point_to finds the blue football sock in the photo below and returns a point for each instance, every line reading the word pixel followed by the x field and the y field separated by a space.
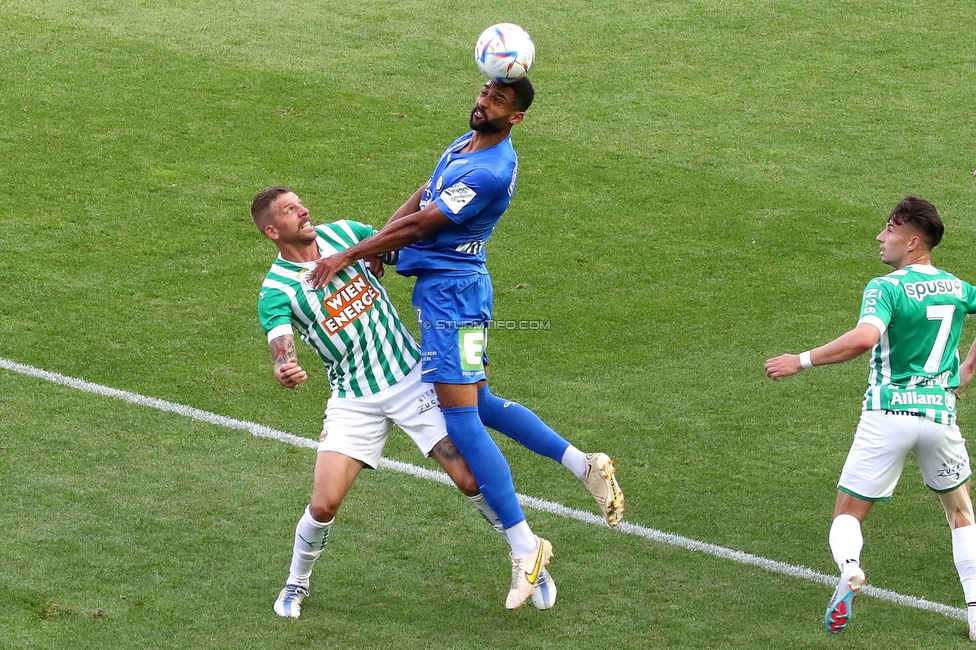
pixel 521 425
pixel 486 461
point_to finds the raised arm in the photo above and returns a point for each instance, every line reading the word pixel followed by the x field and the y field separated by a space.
pixel 410 206
pixel 286 369
pixel 844 348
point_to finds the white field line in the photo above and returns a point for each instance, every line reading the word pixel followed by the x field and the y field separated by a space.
pixel 687 543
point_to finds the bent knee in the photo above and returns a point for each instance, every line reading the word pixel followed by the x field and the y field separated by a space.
pixel 958 507
pixel 323 511
pixel 468 485
pixel 959 516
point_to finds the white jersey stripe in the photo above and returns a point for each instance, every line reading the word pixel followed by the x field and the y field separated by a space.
pixel 351 324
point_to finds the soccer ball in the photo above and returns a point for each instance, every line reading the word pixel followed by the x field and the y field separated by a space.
pixel 504 52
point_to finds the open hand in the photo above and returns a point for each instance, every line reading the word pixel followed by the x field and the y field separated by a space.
pixel 326 268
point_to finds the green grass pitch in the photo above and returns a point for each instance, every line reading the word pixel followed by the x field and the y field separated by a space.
pixel 700 185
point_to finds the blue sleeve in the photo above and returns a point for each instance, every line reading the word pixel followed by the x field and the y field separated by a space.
pixel 468 195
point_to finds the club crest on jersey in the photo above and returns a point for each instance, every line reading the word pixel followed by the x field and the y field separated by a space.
pixel 457 196
pixel 348 303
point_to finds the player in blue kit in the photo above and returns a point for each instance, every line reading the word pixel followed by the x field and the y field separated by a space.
pixel 442 230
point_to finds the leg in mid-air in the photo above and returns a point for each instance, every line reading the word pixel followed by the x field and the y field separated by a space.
pixel 522 425
pixel 449 457
pixel 451 359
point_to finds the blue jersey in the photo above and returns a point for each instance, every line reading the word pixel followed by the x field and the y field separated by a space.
pixel 472 190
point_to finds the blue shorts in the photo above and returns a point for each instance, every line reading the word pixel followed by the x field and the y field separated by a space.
pixel 453 312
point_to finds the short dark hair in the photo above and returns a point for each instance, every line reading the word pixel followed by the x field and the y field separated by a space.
pixel 922 216
pixel 261 205
pixel 524 93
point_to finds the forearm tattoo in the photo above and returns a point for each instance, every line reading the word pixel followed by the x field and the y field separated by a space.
pixel 283 350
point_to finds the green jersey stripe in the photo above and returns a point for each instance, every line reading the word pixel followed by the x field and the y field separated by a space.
pixel 351 324
pixel 919 311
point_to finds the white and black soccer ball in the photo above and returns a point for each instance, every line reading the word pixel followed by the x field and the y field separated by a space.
pixel 504 52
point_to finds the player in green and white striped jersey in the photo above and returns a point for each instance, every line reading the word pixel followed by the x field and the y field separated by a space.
pixel 915 364
pixel 911 320
pixel 351 324
pixel 373 370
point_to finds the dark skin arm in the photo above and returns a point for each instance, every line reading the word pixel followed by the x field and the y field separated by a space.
pixel 400 231
pixel 410 206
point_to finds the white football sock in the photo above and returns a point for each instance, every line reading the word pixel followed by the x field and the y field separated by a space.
pixel 575 460
pixel 846 540
pixel 964 555
pixel 479 502
pixel 521 539
pixel 310 538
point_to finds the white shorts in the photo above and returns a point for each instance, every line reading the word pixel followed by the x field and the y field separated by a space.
pixel 883 441
pixel 359 426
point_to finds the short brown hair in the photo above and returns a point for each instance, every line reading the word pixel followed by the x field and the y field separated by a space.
pixel 261 205
pixel 922 216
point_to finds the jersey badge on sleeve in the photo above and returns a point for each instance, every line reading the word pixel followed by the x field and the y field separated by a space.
pixel 457 196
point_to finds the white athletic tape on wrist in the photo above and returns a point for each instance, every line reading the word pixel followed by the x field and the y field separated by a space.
pixel 805 360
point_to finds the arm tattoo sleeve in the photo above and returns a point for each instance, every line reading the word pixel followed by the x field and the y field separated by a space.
pixel 283 350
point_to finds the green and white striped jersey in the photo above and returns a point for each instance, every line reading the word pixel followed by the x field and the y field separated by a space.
pixel 351 324
pixel 915 365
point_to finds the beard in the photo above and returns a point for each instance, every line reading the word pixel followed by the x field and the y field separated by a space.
pixel 485 126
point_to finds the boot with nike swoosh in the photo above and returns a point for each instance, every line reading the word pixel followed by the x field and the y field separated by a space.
pixel 525 574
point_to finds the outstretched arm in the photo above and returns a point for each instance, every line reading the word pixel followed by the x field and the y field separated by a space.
pixel 286 369
pixel 396 234
pixel 844 348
